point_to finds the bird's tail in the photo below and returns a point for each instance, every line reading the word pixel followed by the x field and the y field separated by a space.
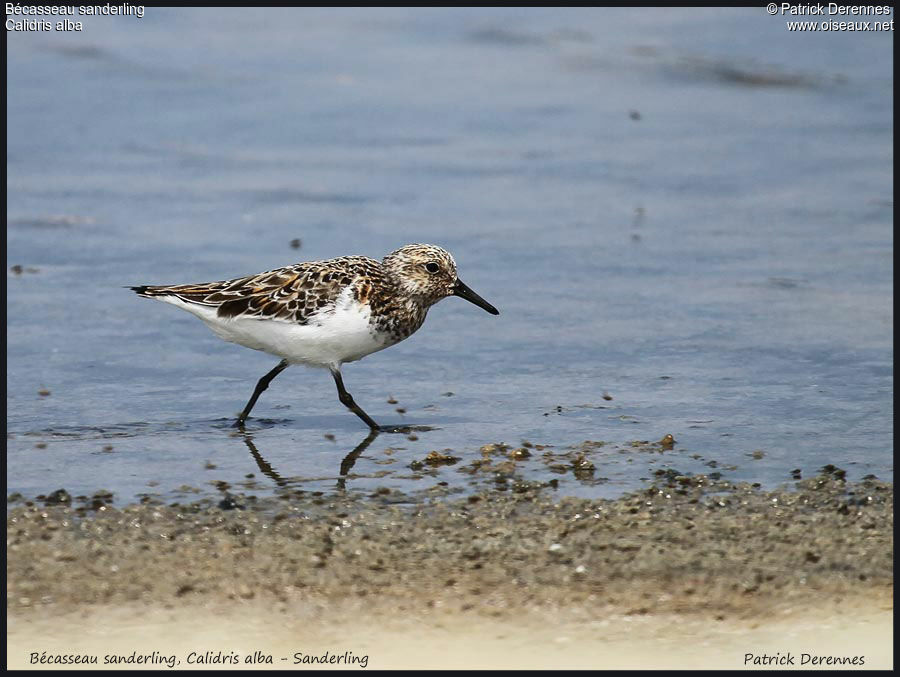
pixel 148 291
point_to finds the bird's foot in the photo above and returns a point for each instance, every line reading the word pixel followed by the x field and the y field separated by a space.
pixel 403 429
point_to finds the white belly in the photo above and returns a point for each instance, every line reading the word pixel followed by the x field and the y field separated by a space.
pixel 330 338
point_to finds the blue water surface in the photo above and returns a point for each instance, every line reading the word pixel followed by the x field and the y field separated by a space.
pixel 683 215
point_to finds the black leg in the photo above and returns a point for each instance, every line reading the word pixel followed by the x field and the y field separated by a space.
pixel 347 400
pixel 262 385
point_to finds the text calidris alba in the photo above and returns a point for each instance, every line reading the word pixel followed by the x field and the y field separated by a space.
pixel 324 313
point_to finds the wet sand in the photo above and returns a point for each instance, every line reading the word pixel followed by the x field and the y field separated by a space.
pixel 693 572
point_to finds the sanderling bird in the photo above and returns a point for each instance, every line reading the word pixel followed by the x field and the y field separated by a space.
pixel 324 313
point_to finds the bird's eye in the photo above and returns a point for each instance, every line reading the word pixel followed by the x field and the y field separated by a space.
pixel 432 267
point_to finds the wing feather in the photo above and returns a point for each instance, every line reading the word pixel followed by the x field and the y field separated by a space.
pixel 291 294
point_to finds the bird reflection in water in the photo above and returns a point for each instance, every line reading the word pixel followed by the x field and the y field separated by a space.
pixel 346 464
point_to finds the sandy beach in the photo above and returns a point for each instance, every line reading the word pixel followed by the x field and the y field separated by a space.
pixel 691 573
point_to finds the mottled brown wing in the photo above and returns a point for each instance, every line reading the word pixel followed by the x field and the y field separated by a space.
pixel 291 294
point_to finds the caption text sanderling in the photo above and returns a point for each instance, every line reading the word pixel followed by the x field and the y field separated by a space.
pixel 45 18
pixel 201 658
pixel 875 21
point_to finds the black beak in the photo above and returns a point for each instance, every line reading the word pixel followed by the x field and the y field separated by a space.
pixel 461 290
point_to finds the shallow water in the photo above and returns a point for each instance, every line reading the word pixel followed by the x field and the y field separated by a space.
pixel 687 211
